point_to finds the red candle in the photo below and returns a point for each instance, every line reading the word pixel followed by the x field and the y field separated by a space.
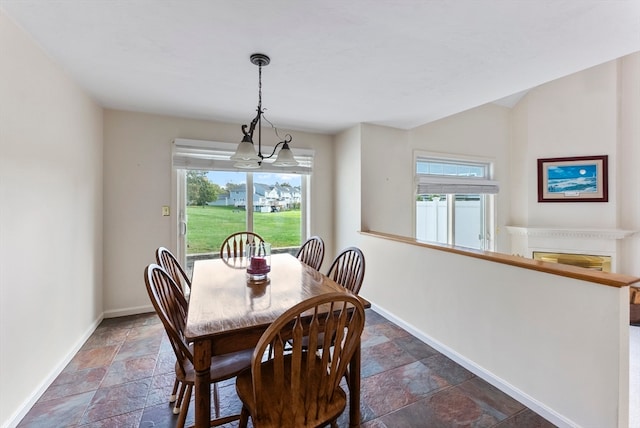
pixel 258 265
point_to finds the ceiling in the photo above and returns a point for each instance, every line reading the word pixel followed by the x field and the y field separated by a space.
pixel 334 63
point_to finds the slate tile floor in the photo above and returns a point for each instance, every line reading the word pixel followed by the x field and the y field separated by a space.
pixel 123 375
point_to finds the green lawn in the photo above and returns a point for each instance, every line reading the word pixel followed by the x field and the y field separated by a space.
pixel 208 226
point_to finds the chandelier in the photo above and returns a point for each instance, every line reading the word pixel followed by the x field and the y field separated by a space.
pixel 245 156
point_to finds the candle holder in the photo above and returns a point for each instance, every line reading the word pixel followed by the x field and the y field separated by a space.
pixel 258 261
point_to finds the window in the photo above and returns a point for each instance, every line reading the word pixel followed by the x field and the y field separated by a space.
pixel 213 201
pixel 454 201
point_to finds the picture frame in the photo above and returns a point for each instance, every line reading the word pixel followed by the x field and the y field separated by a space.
pixel 573 179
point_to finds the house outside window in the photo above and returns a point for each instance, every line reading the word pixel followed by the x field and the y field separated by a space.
pixel 455 200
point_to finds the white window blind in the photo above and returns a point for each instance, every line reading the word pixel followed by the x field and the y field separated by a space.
pixel 429 185
pixel 211 155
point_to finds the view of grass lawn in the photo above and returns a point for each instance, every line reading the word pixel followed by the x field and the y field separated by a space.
pixel 208 226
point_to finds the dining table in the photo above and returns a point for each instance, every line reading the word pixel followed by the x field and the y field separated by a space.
pixel 228 313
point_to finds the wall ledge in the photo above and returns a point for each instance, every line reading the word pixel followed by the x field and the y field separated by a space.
pixel 604 278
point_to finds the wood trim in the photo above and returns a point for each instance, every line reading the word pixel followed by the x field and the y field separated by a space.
pixel 604 278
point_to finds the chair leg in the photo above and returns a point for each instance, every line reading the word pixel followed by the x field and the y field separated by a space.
pixel 185 407
pixel 244 418
pixel 216 400
pixel 179 399
pixel 174 392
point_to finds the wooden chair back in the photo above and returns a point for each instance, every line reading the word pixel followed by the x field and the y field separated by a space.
pixel 235 244
pixel 298 385
pixel 169 263
pixel 166 259
pixel 347 269
pixel 171 306
pixel 312 252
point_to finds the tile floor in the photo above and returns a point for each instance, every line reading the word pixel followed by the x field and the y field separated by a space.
pixel 123 375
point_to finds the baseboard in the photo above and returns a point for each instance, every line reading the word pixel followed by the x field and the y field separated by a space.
pixel 533 404
pixel 129 311
pixel 23 409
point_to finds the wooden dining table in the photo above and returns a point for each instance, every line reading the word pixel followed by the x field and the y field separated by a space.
pixel 228 313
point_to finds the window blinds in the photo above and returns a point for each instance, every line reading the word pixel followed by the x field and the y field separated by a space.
pixel 214 156
pixel 428 185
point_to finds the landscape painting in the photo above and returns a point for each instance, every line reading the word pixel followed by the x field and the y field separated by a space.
pixel 574 179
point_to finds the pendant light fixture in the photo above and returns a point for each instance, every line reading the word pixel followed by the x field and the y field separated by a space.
pixel 245 156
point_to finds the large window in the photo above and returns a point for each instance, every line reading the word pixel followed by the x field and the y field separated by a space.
pixel 454 201
pixel 271 209
pixel 215 200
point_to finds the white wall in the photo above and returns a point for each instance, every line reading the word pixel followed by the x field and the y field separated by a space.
pixel 50 220
pixel 521 176
pixel 387 189
pixel 346 191
pixel 628 159
pixel 137 176
pixel 572 116
pixel 387 170
pixel 484 133
pixel 593 112
pixel 558 345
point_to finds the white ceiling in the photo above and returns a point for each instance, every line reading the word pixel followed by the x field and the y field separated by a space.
pixel 334 63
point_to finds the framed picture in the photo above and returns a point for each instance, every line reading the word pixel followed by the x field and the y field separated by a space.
pixel 576 179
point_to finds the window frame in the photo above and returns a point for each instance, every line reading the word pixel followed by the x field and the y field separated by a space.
pixel 487 184
pixel 213 155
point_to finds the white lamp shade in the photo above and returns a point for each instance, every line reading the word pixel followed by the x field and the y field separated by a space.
pixel 285 158
pixel 247 164
pixel 245 152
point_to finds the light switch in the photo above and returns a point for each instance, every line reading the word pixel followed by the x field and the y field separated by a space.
pixel 165 211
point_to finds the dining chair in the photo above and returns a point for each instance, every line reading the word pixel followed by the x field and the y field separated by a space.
pixel 171 307
pixel 312 252
pixel 300 387
pixel 347 269
pixel 166 259
pixel 234 244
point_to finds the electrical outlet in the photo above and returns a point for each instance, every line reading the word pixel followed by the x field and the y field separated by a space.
pixel 165 211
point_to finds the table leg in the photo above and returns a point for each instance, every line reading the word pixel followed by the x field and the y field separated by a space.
pixel 354 389
pixel 202 399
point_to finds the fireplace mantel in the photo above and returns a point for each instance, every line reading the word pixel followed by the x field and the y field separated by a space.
pixel 558 232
